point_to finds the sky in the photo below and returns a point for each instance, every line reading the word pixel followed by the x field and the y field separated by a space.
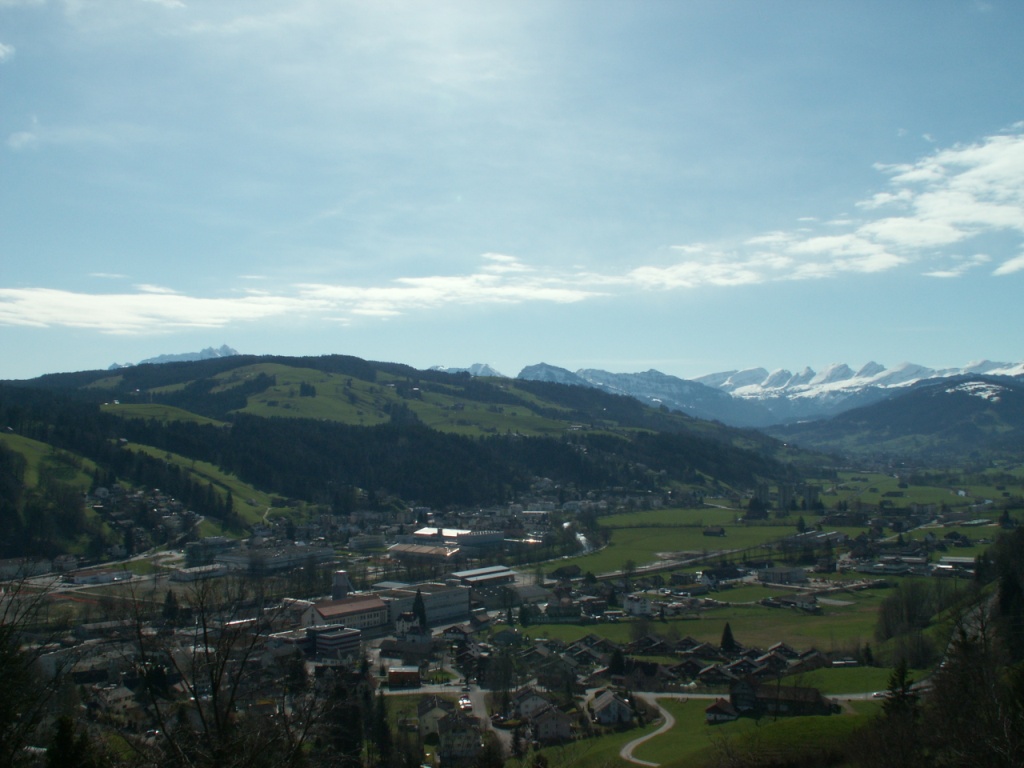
pixel 693 186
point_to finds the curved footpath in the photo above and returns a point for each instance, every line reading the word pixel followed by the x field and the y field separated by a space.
pixel 626 753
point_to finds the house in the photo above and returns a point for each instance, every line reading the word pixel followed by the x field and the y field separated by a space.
pixel 637 604
pixel 720 712
pixel 459 740
pixel 366 612
pixel 611 709
pixel 782 575
pixel 551 726
pixel 688 668
pixel 558 674
pixel 528 702
pixel 749 696
pixel 714 577
pixel 646 676
pixel 793 701
pixel 430 711
pixel 403 677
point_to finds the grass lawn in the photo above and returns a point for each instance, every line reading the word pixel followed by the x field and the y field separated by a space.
pixel 42 458
pixel 836 628
pixel 690 736
pixel 836 681
pixel 693 743
pixel 601 751
pixel 646 545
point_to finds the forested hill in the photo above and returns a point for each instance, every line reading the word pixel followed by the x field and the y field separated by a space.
pixel 328 429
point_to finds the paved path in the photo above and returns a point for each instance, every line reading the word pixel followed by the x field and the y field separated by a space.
pixel 626 753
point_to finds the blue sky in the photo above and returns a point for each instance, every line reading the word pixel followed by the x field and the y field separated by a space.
pixel 687 186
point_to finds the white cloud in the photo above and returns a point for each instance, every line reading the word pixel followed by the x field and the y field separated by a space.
pixel 127 314
pixel 6 52
pixel 961 267
pixel 153 308
pixel 22 140
pixel 107 135
pixel 1015 264
pixel 912 232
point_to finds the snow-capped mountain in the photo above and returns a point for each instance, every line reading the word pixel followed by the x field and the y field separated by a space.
pixel 757 397
pixel 938 418
pixel 757 383
pixel 476 369
pixel 185 357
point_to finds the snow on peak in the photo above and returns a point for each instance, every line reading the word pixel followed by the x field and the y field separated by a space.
pixel 982 389
pixel 870 369
pixel 833 373
pixel 777 379
pixel 476 369
pixel 905 373
pixel 745 378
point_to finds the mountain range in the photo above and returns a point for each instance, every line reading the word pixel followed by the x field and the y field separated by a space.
pixel 756 397
pixel 751 397
pixel 184 357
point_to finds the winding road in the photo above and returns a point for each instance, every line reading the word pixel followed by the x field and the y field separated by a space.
pixel 626 753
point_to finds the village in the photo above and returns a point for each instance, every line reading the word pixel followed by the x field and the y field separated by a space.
pixel 440 620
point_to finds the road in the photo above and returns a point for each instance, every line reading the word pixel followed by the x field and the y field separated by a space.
pixel 668 723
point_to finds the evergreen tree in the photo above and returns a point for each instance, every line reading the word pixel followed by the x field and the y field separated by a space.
pixel 419 609
pixel 70 749
pixel 380 731
pixel 728 642
pixel 171 609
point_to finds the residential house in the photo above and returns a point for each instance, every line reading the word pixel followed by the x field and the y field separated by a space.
pixel 552 726
pixel 459 741
pixel 430 711
pixel 611 709
pixel 637 604
pixel 528 702
pixel 722 711
pixel 782 575
pixel 646 676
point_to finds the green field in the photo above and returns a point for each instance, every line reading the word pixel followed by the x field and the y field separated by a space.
pixel 250 504
pixel 693 743
pixel 158 412
pixel 42 459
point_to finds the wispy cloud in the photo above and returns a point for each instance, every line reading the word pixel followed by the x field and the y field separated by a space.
pixel 6 52
pixel 931 211
pixel 153 309
pixel 961 267
pixel 128 314
pixel 1015 264
pixel 927 219
pixel 106 135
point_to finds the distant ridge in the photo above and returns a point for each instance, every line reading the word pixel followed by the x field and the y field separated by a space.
pixel 476 369
pixel 184 357
pixel 756 397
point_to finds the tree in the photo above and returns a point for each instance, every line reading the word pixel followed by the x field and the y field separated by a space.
pixel 70 747
pixel 380 731
pixel 617 662
pixel 728 642
pixel 170 609
pixel 419 609
pixel 26 696
pixel 213 724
